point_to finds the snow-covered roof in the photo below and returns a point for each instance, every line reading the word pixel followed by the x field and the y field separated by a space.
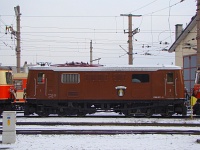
pixel 109 68
pixel 185 32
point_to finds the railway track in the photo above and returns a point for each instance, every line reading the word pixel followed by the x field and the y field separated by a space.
pixel 105 128
pixel 106 124
pixel 102 128
pixel 106 132
pixel 107 115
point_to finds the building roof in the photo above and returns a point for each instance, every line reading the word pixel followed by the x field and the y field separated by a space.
pixel 185 32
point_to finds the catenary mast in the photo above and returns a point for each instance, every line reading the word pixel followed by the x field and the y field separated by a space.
pixel 130 36
pixel 18 48
pixel 198 34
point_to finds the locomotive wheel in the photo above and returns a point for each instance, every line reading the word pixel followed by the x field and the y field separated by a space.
pixel 62 114
pixel 81 114
pixel 148 113
pixel 43 114
pixel 7 108
pixel 71 112
pixel 197 112
pixel 167 115
pixel 127 113
pixel 1 111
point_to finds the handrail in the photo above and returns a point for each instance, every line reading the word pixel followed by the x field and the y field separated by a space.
pixel 46 87
pixel 35 87
pixel 165 85
pixel 175 87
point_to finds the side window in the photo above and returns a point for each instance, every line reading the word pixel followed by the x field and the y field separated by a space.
pixel 170 77
pixel 18 84
pixel 9 78
pixel 41 78
pixel 70 78
pixel 140 78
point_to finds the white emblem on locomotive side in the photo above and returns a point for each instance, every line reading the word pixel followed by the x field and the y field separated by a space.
pixel 120 90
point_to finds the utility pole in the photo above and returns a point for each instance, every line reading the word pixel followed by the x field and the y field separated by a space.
pixel 198 34
pixel 130 35
pixel 91 52
pixel 18 48
pixel 91 59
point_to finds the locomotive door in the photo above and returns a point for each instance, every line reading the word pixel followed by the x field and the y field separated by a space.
pixel 170 85
pixel 40 85
pixel 46 85
pixel 51 85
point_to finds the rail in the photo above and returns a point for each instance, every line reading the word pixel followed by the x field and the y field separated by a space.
pixel 105 132
pixel 107 124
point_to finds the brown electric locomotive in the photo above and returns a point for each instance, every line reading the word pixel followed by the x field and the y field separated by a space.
pixel 129 90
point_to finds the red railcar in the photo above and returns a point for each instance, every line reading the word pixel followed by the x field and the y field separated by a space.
pixel 7 91
pixel 196 93
pixel 19 81
pixel 85 90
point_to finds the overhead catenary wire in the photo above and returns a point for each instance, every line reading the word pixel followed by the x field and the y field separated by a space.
pixel 76 42
pixel 144 6
pixel 169 19
pixel 163 8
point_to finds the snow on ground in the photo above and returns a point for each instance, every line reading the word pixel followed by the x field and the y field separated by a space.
pixel 105 142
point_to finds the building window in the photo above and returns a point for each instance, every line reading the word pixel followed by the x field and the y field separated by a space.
pixel 70 78
pixel 41 78
pixel 170 77
pixel 18 84
pixel 140 78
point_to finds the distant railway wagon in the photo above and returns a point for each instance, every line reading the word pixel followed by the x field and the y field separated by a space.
pixel 7 92
pixel 19 81
pixel 84 90
pixel 196 93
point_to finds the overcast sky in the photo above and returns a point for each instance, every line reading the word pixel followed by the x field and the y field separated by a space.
pixel 60 31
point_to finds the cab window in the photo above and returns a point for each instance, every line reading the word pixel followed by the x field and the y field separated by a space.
pixel 170 77
pixel 9 78
pixel 41 78
pixel 140 78
pixel 18 84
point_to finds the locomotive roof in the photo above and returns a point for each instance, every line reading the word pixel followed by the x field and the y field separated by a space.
pixel 108 68
pixel 5 68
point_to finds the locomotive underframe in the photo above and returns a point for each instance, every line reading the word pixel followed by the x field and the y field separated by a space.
pixel 127 107
pixel 196 108
pixel 5 105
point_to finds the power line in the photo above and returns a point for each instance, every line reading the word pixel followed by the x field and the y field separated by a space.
pixel 169 19
pixel 144 6
pixel 163 9
pixel 174 15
